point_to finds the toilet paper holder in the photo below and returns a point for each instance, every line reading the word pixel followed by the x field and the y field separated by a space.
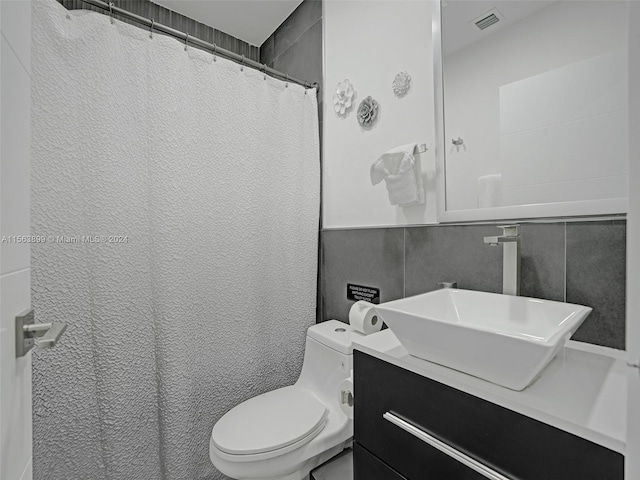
pixel 346 397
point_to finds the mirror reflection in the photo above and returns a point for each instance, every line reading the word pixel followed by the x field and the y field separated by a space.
pixel 535 101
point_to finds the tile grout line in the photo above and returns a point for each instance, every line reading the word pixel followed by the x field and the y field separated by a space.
pixel 565 261
pixel 404 263
pixel 15 272
pixel 28 468
pixel 15 53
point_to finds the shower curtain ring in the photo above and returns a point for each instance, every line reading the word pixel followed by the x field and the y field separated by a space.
pixel 186 40
pixel 242 67
pixel 215 50
pixel 111 12
pixel 151 29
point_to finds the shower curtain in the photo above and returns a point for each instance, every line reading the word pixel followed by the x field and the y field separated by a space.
pixel 179 198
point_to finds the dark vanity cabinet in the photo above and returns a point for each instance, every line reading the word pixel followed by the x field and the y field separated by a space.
pixel 411 427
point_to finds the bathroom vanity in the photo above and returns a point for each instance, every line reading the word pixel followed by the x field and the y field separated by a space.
pixel 418 420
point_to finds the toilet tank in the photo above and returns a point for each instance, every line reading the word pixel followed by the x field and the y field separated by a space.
pixel 328 358
pixel 335 335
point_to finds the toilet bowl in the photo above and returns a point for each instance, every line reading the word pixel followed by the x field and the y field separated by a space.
pixel 285 433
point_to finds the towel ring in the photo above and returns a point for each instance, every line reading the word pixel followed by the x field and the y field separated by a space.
pixel 242 67
pixel 111 12
pixel 151 29
pixel 215 50
pixel 186 40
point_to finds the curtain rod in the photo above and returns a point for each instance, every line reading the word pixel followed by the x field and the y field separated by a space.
pixel 213 48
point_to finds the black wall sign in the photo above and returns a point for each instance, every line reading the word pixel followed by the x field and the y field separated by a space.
pixel 360 292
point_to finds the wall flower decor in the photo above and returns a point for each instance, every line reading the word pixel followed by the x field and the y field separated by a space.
pixel 401 84
pixel 367 112
pixel 343 97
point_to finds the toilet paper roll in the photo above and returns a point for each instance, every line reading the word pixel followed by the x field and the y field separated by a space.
pixel 364 318
pixel 490 191
pixel 346 399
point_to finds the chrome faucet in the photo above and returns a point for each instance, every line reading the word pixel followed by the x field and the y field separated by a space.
pixel 510 258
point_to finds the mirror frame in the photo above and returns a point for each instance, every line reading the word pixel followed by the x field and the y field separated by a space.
pixel 584 208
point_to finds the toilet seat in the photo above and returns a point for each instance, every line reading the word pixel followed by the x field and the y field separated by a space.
pixel 283 419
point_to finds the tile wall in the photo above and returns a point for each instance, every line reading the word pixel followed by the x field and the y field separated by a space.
pixel 296 45
pixel 576 262
pixel 15 261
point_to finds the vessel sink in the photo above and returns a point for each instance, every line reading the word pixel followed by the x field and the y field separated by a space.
pixel 504 339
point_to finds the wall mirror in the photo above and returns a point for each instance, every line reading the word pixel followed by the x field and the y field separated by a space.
pixel 534 120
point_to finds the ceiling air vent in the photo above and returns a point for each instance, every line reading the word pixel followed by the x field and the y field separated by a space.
pixel 487 21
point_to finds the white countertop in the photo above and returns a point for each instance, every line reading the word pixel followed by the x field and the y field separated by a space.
pixel 582 391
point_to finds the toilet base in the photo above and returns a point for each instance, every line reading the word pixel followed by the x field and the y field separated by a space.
pixel 303 472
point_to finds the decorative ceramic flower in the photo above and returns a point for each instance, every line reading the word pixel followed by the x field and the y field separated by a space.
pixel 401 84
pixel 367 112
pixel 343 97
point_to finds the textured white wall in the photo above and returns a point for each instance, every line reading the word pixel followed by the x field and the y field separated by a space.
pixel 369 43
pixel 15 271
pixel 213 174
pixel 554 37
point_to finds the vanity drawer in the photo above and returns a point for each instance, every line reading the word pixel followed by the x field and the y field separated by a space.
pixel 513 445
pixel 368 466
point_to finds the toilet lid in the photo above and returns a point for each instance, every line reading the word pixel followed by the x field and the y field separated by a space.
pixel 270 421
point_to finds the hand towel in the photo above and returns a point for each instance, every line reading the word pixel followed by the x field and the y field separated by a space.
pixel 402 174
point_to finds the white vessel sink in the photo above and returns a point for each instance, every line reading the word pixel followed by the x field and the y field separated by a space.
pixel 503 339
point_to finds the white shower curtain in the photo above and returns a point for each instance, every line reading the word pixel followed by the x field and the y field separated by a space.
pixel 197 187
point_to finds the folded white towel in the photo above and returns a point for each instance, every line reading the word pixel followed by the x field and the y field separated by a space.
pixel 402 174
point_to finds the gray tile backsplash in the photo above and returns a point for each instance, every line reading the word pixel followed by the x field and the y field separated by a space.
pixel 577 262
pixel 542 268
pixel 443 254
pixel 596 270
pixel 372 257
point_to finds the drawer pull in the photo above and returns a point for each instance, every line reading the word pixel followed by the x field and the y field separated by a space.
pixel 444 448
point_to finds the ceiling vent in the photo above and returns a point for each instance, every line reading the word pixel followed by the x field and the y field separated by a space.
pixel 487 21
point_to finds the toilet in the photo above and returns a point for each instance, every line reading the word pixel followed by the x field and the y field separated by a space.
pixel 285 433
